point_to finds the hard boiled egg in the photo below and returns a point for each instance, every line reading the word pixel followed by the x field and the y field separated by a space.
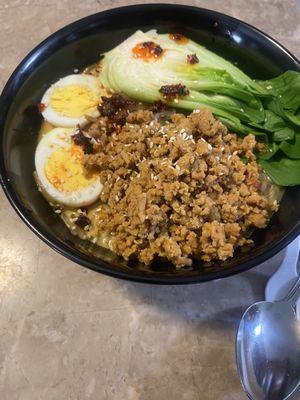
pixel 68 101
pixel 60 173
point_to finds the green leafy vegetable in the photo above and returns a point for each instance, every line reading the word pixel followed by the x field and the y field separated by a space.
pixel 213 82
pixel 283 134
pixel 283 171
pixel 285 88
pixel 292 148
pixel 271 151
pixel 273 122
pixel 268 109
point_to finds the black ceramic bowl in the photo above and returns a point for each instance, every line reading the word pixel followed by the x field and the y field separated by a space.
pixel 79 45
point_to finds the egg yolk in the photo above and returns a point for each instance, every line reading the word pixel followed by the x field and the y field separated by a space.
pixel 73 100
pixel 64 170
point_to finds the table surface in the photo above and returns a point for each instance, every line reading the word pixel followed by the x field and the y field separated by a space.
pixel 67 333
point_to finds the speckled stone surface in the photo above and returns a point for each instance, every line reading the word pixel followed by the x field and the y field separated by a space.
pixel 67 333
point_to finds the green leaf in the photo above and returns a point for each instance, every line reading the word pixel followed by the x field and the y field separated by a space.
pixel 286 88
pixel 283 134
pixel 270 152
pixel 212 80
pixel 291 149
pixel 294 118
pixel 276 107
pixel 233 106
pixel 273 122
pixel 283 171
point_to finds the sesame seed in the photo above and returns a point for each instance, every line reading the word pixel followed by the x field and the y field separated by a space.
pixel 209 146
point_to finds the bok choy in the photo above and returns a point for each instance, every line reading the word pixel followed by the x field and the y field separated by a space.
pixel 147 65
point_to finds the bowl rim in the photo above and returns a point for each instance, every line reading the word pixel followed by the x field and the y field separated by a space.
pixel 80 258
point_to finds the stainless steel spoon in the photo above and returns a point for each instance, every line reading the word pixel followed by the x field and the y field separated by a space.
pixel 268 348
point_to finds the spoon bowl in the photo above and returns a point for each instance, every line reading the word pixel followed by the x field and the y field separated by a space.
pixel 268 350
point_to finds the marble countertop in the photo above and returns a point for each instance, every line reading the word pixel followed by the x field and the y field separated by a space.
pixel 67 333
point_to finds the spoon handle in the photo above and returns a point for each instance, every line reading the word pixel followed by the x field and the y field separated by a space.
pixel 294 293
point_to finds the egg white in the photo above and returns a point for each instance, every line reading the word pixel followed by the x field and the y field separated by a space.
pixel 54 140
pixel 59 119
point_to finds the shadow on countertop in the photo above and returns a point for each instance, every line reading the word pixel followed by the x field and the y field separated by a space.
pixel 221 302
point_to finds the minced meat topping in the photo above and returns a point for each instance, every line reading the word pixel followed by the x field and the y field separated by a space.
pixel 176 189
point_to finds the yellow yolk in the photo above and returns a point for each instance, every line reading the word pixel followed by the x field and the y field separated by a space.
pixel 73 100
pixel 64 170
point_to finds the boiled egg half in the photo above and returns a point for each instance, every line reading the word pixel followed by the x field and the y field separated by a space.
pixel 69 101
pixel 59 170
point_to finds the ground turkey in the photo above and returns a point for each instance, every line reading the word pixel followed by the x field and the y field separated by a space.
pixel 180 189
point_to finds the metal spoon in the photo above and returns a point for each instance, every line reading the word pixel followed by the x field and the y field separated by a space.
pixel 268 348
